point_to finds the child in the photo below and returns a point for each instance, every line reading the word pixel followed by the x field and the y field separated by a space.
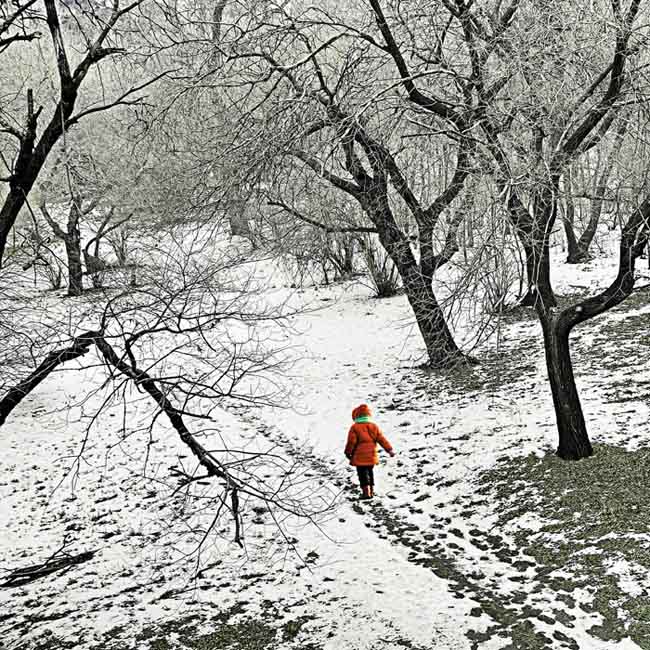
pixel 361 448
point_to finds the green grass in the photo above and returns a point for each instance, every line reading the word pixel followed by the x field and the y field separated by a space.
pixel 262 632
pixel 596 506
pixel 247 633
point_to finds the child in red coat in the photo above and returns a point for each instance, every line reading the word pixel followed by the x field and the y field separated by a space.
pixel 361 448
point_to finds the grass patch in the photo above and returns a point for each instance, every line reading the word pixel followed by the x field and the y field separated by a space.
pixel 514 363
pixel 264 632
pixel 596 512
pixel 248 633
pixel 507 368
pixel 632 342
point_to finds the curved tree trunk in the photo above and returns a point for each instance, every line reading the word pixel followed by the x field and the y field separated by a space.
pixel 438 339
pixel 573 438
pixel 441 347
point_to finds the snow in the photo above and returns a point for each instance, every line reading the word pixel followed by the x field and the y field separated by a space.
pixel 633 578
pixel 364 588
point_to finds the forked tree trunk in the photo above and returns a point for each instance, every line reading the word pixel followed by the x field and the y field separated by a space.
pixel 71 237
pixel 573 438
pixel 538 274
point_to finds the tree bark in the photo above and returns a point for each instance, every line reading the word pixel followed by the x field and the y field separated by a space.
pixel 581 253
pixel 73 249
pixel 538 272
pixel 533 233
pixel 569 220
pixel 579 248
pixel 574 441
pixel 442 350
pixel 75 269
pixel 71 237
pixel 53 360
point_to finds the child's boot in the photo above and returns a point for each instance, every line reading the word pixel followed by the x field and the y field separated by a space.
pixel 365 492
pixel 371 491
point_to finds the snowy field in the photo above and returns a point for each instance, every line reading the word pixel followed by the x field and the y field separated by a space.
pixel 458 550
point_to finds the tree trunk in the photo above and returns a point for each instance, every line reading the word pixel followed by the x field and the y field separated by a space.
pixel 442 350
pixel 539 279
pixel 239 225
pixel 587 236
pixel 95 267
pixel 574 441
pixel 8 214
pixel 30 163
pixel 577 253
pixel 574 252
pixel 533 233
pixel 348 251
pixel 438 340
pixel 580 252
pixel 75 269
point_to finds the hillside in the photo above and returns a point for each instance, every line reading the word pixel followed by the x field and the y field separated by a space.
pixel 479 537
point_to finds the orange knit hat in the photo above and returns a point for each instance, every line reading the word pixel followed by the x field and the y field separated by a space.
pixel 360 411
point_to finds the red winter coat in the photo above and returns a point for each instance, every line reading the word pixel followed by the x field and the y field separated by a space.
pixel 361 447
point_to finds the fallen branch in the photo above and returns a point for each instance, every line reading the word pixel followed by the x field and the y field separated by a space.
pixel 57 562
pixel 145 381
pixel 233 486
pixel 80 346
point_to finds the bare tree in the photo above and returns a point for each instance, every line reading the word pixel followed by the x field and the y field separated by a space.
pixel 71 237
pixel 32 149
pixel 310 91
pixel 578 245
pixel 561 128
pixel 17 23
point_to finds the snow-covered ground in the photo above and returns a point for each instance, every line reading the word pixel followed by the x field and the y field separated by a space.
pixel 411 569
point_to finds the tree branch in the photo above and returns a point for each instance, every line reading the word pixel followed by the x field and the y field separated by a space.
pixel 431 104
pixel 634 241
pixel 58 231
pixel 319 167
pixel 8 23
pixel 59 46
pixel 329 229
pixel 80 346
pixel 617 76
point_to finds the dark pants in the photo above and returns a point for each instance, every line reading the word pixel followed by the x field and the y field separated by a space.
pixel 366 476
